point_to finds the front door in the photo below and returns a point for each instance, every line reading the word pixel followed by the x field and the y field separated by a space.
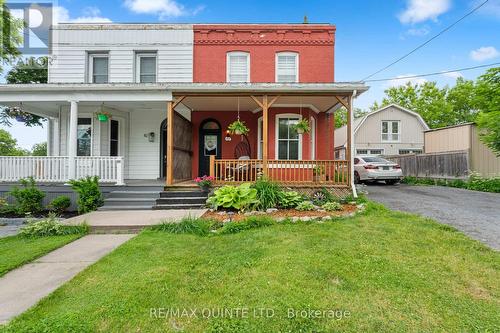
pixel 210 143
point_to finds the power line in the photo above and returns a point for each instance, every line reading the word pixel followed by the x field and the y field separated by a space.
pixel 426 42
pixel 434 73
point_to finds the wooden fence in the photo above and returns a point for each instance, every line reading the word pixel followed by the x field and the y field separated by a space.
pixel 450 165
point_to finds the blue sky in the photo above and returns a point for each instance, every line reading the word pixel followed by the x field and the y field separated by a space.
pixel 370 34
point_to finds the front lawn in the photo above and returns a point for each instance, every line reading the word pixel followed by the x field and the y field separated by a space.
pixel 379 271
pixel 17 250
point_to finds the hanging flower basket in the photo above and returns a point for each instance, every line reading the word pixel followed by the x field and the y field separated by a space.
pixel 103 116
pixel 302 126
pixel 238 127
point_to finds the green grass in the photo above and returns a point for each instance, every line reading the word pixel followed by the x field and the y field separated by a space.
pixel 17 250
pixel 391 271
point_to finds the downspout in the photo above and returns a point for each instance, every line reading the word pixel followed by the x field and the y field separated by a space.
pixel 353 186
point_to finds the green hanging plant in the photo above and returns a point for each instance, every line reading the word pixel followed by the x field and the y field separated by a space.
pixel 103 116
pixel 302 126
pixel 238 127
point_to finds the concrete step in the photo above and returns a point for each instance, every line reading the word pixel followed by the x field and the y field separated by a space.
pixel 117 229
pixel 134 194
pixel 182 200
pixel 174 188
pixel 183 194
pixel 126 207
pixel 178 206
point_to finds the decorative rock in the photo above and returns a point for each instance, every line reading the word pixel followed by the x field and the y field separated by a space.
pixel 305 218
pixel 295 219
pixel 271 210
pixel 226 221
pixel 326 218
pixel 280 219
pixel 221 213
pixel 321 210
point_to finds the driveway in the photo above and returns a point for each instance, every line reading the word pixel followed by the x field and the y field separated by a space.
pixel 477 214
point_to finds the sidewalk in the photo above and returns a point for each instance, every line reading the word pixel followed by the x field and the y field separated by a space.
pixel 22 288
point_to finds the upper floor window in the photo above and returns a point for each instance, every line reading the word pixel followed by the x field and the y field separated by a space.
pixel 287 67
pixel 238 67
pixel 391 131
pixel 146 67
pixel 98 67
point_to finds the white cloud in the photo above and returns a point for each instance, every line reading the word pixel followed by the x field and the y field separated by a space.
pixel 90 15
pixel 423 10
pixel 401 80
pixel 484 53
pixel 418 31
pixel 453 75
pixel 164 8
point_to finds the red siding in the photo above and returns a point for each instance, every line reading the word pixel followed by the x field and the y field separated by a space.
pixel 314 43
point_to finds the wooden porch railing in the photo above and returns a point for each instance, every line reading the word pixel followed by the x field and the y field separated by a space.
pixel 287 172
pixel 55 169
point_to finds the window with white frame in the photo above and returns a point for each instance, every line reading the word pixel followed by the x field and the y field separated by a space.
pixel 312 137
pixel 145 67
pixel 376 151
pixel 410 151
pixel 98 67
pixel 238 67
pixel 288 143
pixel 391 130
pixel 114 137
pixel 287 67
pixel 259 138
pixel 84 137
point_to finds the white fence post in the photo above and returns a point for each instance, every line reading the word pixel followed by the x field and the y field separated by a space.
pixel 119 171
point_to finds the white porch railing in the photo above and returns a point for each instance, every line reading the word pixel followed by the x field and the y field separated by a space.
pixel 55 169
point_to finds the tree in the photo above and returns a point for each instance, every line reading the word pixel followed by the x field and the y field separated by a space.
pixel 12 30
pixel 8 145
pixel 30 70
pixel 341 115
pixel 487 100
pixel 39 149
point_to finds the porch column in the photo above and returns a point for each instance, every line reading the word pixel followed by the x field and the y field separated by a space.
pixel 348 152
pixel 72 140
pixel 170 143
pixel 265 132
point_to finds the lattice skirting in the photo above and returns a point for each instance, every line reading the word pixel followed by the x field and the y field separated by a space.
pixel 339 192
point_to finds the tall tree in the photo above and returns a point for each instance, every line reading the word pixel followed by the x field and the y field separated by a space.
pixel 341 115
pixel 39 149
pixel 30 70
pixel 11 35
pixel 8 145
pixel 487 100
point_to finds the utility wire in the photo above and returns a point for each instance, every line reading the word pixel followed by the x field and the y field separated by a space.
pixel 427 42
pixel 434 73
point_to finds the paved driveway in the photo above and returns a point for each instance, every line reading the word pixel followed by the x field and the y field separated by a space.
pixel 475 213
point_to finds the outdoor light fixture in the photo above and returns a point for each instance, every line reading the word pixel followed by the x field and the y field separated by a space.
pixel 150 136
pixel 228 136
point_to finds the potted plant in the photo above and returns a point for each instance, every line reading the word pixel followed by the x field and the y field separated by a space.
pixel 205 182
pixel 318 173
pixel 302 126
pixel 238 127
pixel 103 116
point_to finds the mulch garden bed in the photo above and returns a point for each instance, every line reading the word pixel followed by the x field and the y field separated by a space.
pixel 222 216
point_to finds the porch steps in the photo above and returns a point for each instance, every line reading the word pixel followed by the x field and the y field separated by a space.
pixel 181 199
pixel 132 198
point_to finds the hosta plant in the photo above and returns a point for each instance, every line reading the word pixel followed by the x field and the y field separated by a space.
pixel 305 206
pixel 238 198
pixel 289 199
pixel 332 206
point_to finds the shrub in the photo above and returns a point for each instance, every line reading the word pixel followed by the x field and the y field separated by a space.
pixel 251 222
pixel 51 227
pixel 289 199
pixel 238 198
pixel 60 204
pixel 188 225
pixel 331 206
pixel 28 198
pixel 89 194
pixel 305 205
pixel 478 183
pixel 268 194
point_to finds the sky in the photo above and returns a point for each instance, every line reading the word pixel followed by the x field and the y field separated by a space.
pixel 370 34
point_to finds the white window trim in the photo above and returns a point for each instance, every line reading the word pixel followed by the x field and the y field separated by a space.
pixel 296 54
pixel 90 57
pixel 312 137
pixel 259 137
pixel 238 53
pixel 369 151
pixel 411 149
pixel 92 134
pixel 389 129
pixel 276 133
pixel 145 54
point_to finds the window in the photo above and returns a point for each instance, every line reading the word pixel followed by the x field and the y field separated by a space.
pixel 98 67
pixel 390 131
pixel 145 67
pixel 114 138
pixel 410 151
pixel 84 137
pixel 238 67
pixel 289 141
pixel 259 138
pixel 312 137
pixel 287 67
pixel 377 151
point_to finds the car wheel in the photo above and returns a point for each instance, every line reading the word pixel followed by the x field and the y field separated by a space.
pixel 391 181
pixel 357 179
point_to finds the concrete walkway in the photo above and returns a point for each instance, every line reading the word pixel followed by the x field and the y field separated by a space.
pixel 22 288
pixel 131 220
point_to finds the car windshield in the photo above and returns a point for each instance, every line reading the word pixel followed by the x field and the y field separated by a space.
pixel 375 160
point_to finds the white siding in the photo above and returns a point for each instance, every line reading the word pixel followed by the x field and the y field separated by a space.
pixel 173 44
